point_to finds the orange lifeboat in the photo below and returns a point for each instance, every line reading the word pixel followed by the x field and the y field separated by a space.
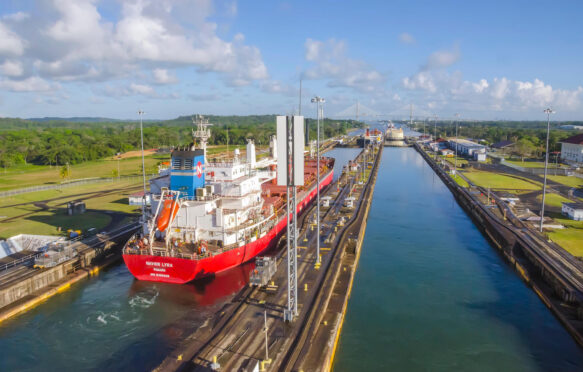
pixel 167 214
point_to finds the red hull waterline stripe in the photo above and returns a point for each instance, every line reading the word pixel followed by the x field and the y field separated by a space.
pixel 180 270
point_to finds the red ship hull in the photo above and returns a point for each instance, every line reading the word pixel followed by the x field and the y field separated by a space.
pixel 180 270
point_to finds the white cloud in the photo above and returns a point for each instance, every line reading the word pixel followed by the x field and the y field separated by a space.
pixel 406 38
pixel 329 61
pixel 422 80
pixel 499 94
pixel 274 86
pixel 70 40
pixel 162 76
pixel 11 68
pixel 442 58
pixel 10 43
pixel 143 89
pixel 16 17
pixel 31 84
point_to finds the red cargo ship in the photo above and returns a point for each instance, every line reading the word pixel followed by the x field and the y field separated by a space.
pixel 207 217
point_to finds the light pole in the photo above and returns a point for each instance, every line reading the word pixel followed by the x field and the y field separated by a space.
pixel 435 135
pixel 140 112
pixel 455 160
pixel 547 111
pixel 319 101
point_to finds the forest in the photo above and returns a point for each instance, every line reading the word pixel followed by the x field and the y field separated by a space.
pixel 530 136
pixel 54 141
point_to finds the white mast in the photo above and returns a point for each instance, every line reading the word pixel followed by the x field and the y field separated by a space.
pixel 202 132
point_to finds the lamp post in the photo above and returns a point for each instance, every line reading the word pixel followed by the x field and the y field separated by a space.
pixel 319 101
pixel 435 135
pixel 547 111
pixel 455 160
pixel 140 112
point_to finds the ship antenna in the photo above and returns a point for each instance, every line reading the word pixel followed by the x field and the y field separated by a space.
pixel 202 132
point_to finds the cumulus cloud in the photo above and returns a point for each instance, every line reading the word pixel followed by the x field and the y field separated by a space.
pixel 11 68
pixel 31 84
pixel 16 17
pixel 442 59
pixel 329 61
pixel 70 40
pixel 274 86
pixel 406 38
pixel 143 89
pixel 499 94
pixel 162 76
pixel 10 42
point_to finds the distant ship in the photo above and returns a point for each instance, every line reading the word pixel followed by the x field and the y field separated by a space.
pixel 370 136
pixel 207 217
pixel 394 134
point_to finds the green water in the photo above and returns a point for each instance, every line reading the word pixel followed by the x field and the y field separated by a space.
pixel 431 294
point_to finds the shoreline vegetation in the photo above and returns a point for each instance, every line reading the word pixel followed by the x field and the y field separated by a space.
pixel 51 150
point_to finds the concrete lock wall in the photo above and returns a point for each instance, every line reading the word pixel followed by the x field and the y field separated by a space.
pixel 28 286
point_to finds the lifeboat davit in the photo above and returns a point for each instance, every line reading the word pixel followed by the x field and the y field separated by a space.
pixel 167 214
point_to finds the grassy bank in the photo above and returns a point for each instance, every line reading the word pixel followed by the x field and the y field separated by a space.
pixel 32 175
pixel 501 181
pixel 45 212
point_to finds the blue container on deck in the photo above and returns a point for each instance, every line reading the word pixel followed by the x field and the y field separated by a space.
pixel 187 172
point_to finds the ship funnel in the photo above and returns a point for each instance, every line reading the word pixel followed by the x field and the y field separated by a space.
pixel 187 171
pixel 251 153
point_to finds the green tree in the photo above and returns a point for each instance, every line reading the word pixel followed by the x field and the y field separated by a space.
pixel 524 148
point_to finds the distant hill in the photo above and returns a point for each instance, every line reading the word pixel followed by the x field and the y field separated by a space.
pixel 75 119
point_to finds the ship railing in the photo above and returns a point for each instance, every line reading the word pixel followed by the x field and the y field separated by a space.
pixel 159 253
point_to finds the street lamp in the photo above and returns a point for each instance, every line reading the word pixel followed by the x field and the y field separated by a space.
pixel 435 135
pixel 140 112
pixel 456 145
pixel 319 101
pixel 547 111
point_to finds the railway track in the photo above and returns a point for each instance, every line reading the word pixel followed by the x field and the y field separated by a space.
pixel 556 259
pixel 238 335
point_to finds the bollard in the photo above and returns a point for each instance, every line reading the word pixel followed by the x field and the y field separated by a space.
pixel 305 287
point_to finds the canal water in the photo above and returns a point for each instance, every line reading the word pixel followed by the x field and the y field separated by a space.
pixel 112 322
pixel 431 294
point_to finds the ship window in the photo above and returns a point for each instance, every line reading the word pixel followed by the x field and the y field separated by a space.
pixel 188 164
pixel 176 163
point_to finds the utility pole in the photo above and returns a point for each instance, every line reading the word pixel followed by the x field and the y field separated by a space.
pixel 411 116
pixel 547 111
pixel 290 173
pixel 319 101
pixel 455 161
pixel 435 135
pixel 140 112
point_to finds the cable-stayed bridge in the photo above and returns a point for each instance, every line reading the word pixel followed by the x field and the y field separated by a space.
pixel 405 113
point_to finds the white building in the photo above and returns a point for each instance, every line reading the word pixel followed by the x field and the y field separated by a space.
pixel 572 149
pixel 465 147
pixel 573 210
pixel 480 156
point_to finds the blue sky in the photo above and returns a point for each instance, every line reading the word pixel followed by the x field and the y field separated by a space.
pixel 485 60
